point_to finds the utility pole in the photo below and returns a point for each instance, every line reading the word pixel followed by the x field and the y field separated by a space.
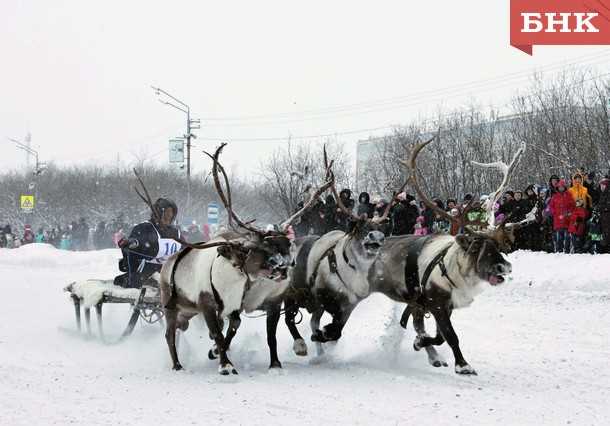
pixel 191 124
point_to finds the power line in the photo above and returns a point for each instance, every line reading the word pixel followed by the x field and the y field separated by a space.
pixel 374 105
pixel 388 127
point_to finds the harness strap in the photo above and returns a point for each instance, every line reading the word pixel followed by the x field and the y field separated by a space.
pixel 171 303
pixel 438 260
pixel 346 259
pixel 332 263
pixel 411 266
pixel 411 275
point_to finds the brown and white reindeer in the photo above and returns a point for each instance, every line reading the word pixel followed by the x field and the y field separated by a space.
pixel 439 273
pixel 244 269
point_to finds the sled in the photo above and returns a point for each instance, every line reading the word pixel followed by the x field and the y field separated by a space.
pixel 145 305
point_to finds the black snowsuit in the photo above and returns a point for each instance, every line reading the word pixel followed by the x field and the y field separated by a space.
pixel 144 246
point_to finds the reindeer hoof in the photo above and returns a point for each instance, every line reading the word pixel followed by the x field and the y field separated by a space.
pixel 300 347
pixel 318 336
pixel 227 369
pixel 275 364
pixel 439 363
pixel 177 367
pixel 465 369
pixel 417 344
pixel 213 353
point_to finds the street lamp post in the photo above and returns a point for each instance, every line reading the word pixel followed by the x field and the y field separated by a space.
pixel 31 151
pixel 190 125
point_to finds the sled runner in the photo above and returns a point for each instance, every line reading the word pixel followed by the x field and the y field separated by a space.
pixel 145 304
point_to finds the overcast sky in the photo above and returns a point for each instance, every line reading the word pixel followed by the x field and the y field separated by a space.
pixel 77 74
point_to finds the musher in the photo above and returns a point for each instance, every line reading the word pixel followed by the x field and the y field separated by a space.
pixel 149 246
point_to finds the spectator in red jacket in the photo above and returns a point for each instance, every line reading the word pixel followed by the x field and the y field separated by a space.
pixel 576 229
pixel 561 207
pixel 28 235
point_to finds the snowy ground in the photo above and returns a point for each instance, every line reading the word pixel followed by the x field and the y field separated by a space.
pixel 540 343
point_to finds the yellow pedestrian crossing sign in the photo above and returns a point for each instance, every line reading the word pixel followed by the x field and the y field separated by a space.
pixel 27 203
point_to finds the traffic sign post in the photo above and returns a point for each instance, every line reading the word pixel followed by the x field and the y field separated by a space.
pixel 213 210
pixel 27 203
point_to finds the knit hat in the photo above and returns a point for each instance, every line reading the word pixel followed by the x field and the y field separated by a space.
pixel 604 181
pixel 511 193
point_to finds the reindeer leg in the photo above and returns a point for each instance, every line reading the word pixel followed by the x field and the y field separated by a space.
pixel 273 317
pixel 424 341
pixel 316 333
pixel 213 352
pixel 332 331
pixel 208 306
pixel 171 316
pixel 234 323
pixel 291 309
pixel 443 323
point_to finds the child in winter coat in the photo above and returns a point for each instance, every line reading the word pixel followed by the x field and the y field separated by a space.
pixel 594 236
pixel 66 242
pixel 420 226
pixel 576 228
pixel 561 207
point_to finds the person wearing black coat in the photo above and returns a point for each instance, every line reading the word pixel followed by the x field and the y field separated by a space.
pixel 330 214
pixel 364 205
pixel 404 216
pixel 508 207
pixel 603 207
pixel 149 245
pixel 592 189
pixel 344 221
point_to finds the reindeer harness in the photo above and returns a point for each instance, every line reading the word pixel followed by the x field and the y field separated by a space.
pixel 415 288
pixel 332 264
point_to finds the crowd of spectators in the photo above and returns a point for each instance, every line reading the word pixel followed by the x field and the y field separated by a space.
pixel 569 217
pixel 80 235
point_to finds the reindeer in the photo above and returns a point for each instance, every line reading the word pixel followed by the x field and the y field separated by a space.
pixel 330 274
pixel 240 270
pixel 439 273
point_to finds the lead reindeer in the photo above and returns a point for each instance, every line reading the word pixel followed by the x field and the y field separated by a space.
pixel 439 273
pixel 241 270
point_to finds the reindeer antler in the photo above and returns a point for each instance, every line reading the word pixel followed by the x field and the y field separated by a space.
pixel 412 166
pixel 226 200
pixel 146 197
pixel 507 171
pixel 330 179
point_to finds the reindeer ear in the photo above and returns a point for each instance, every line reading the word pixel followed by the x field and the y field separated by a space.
pixel 464 241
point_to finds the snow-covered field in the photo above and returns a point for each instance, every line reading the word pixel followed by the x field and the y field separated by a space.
pixel 540 343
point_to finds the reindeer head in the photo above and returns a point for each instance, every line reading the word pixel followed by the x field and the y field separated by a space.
pixel 484 257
